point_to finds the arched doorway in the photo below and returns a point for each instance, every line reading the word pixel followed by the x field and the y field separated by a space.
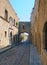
pixel 10 38
pixel 45 35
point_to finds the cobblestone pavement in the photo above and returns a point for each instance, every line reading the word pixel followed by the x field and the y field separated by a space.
pixel 18 55
pixel 35 58
pixel 23 54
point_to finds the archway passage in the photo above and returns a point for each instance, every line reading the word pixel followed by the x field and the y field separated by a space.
pixel 45 35
pixel 24 36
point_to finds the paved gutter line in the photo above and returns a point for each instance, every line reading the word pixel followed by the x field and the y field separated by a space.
pixel 3 50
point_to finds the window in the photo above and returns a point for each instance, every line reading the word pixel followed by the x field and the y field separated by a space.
pixel 5 33
pixel 14 22
pixel 10 19
pixel 6 14
pixel 23 27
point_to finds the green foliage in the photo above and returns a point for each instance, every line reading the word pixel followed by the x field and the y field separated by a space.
pixel 22 36
pixel 17 24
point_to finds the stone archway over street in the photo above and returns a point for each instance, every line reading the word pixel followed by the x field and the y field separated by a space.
pixel 24 36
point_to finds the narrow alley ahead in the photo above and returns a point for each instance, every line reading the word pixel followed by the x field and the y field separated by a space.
pixel 18 55
pixel 23 54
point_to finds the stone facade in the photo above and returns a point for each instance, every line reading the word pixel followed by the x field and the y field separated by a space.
pixel 8 20
pixel 24 27
pixel 39 28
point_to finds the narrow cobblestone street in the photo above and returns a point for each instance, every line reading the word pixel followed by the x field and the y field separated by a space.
pixel 23 32
pixel 23 54
pixel 19 55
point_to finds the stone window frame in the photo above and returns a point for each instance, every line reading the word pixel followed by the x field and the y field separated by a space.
pixel 6 14
pixel 5 33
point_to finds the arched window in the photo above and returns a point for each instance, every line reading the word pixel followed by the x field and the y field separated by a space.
pixel 6 14
pixel 45 35
pixel 5 33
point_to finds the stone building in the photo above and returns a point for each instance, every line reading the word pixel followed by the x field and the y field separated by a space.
pixel 8 20
pixel 39 28
pixel 25 27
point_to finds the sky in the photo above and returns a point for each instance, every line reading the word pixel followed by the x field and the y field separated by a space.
pixel 23 8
